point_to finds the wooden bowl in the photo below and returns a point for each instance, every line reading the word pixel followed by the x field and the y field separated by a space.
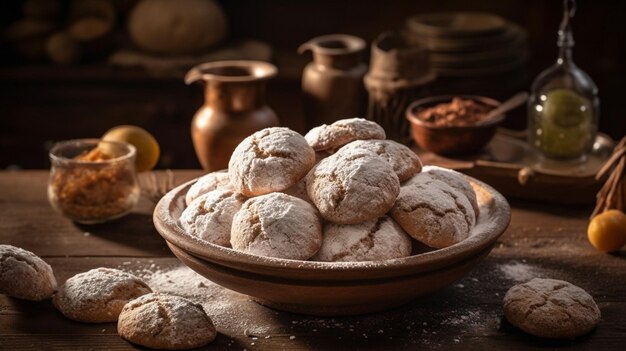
pixel 333 288
pixel 454 140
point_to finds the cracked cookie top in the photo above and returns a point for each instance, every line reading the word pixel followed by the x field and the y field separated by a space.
pixel 352 187
pixel 24 275
pixel 299 190
pixel 374 240
pixel 98 295
pixel 404 161
pixel 208 183
pixel 433 212
pixel 169 322
pixel 272 159
pixel 551 308
pixel 277 225
pixel 330 137
pixel 455 180
pixel 210 216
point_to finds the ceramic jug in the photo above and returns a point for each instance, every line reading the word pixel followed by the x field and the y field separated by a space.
pixel 332 83
pixel 399 74
pixel 234 107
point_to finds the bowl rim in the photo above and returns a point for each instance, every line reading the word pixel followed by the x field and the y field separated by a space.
pixel 410 116
pixel 168 228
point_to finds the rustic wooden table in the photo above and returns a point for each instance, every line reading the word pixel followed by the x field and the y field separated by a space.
pixel 542 241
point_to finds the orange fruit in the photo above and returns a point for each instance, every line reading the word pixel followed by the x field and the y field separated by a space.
pixel 607 231
pixel 147 147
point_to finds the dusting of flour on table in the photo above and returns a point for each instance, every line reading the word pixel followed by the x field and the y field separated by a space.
pixel 223 306
pixel 520 272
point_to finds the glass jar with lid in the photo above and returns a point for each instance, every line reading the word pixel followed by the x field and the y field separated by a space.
pixel 563 108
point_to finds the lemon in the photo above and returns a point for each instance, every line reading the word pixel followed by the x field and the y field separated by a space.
pixel 607 231
pixel 563 142
pixel 566 108
pixel 147 147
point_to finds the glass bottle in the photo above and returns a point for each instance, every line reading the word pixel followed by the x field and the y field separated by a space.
pixel 563 108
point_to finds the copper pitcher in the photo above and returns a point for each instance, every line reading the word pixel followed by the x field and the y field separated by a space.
pixel 333 83
pixel 234 107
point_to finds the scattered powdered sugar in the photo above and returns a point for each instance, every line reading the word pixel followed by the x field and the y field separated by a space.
pixel 520 272
pixel 471 318
pixel 235 315
pixel 223 306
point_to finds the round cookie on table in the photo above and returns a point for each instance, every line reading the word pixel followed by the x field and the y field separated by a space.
pixel 24 275
pixel 165 322
pixel 433 212
pixel 374 240
pixel 277 225
pixel 98 295
pixel 333 136
pixel 209 217
pixel 272 159
pixel 551 308
pixel 352 187
pixel 208 183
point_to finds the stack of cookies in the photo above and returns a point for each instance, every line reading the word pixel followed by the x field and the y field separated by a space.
pixel 340 193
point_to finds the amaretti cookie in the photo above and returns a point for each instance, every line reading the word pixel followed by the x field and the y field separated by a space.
pixel 404 161
pixel 209 217
pixel 374 240
pixel 353 187
pixel 98 295
pixel 330 137
pixel 165 322
pixel 272 159
pixel 277 225
pixel 208 183
pixel 551 308
pixel 299 190
pixel 24 275
pixel 456 180
pixel 433 212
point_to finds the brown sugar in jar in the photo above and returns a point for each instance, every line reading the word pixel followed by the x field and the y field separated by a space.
pixel 92 181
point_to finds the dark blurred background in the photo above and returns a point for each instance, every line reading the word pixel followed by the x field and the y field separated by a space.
pixel 42 101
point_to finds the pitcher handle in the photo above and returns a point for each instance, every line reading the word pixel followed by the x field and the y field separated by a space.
pixel 308 46
pixel 193 75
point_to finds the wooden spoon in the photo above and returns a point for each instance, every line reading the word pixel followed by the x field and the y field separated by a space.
pixel 510 104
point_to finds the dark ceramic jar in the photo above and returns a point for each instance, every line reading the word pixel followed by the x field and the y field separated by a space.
pixel 332 83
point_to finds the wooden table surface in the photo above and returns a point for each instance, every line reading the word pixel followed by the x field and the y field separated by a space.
pixel 542 241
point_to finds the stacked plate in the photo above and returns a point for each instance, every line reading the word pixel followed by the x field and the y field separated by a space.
pixel 467 44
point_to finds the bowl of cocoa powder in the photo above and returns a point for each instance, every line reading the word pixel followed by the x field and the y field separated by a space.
pixel 453 124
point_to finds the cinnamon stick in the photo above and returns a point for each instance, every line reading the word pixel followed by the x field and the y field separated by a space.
pixel 612 195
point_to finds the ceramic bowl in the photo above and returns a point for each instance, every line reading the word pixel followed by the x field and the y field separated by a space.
pixel 333 288
pixel 451 140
